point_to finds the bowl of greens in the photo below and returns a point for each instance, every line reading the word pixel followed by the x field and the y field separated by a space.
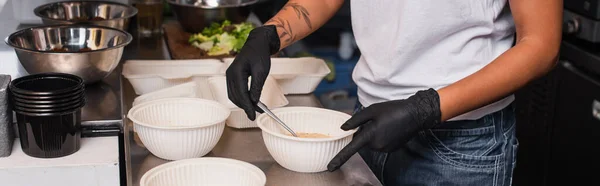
pixel 194 15
pixel 222 39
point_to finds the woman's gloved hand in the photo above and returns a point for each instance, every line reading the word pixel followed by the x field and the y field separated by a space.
pixel 389 125
pixel 254 59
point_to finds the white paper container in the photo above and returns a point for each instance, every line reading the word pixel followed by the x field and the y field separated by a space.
pixel 305 154
pixel 185 90
pixel 151 75
pixel 205 172
pixel 179 128
pixel 271 95
pixel 295 75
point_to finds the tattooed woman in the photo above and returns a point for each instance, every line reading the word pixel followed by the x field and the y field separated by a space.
pixel 435 81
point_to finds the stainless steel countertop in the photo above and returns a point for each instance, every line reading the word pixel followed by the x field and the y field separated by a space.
pixel 246 145
pixel 103 107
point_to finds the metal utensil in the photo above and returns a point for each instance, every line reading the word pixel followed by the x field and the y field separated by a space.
pixel 264 108
pixel 195 15
pixel 109 14
pixel 92 52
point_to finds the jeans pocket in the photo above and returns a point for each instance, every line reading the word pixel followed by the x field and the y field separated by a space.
pixel 466 148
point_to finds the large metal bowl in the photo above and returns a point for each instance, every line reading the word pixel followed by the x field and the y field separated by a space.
pixel 195 15
pixel 93 51
pixel 101 13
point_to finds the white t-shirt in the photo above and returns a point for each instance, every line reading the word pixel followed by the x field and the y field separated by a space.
pixel 412 45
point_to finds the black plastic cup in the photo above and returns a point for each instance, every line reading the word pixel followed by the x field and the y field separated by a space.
pixel 48 109
pixel 78 104
pixel 49 135
pixel 46 102
pixel 46 84
pixel 39 112
pixel 50 98
pixel 66 104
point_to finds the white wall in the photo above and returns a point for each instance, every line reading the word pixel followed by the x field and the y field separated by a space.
pixel 8 24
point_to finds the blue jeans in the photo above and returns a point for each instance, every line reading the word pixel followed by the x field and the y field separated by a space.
pixel 467 153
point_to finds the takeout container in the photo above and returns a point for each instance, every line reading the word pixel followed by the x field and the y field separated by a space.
pixel 179 128
pixel 204 172
pixel 48 111
pixel 184 90
pixel 295 75
pixel 271 95
pixel 151 75
pixel 304 154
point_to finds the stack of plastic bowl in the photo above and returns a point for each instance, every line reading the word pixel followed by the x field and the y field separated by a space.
pixel 48 109
pixel 179 128
pixel 302 154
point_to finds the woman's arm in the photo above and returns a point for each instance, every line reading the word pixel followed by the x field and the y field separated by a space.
pixel 538 24
pixel 294 21
pixel 299 18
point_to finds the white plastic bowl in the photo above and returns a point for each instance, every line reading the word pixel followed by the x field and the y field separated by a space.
pixel 305 154
pixel 179 128
pixel 205 172
pixel 271 95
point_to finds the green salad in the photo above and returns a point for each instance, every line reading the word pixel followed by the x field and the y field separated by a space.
pixel 222 38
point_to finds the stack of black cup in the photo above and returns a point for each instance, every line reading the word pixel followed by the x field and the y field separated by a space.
pixel 48 109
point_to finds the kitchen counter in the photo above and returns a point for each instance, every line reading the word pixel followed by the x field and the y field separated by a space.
pixel 246 145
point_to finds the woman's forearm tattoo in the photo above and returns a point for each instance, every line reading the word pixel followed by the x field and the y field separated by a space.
pixel 301 12
pixel 286 29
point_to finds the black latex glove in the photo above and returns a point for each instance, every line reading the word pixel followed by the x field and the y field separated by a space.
pixel 387 126
pixel 254 59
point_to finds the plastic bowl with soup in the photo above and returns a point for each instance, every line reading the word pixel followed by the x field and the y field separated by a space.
pixel 320 137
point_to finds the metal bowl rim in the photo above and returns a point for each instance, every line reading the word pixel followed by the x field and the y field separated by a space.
pixel 38 9
pixel 127 35
pixel 250 2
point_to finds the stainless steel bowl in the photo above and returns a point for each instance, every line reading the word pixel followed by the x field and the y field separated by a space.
pixel 114 15
pixel 93 52
pixel 195 15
